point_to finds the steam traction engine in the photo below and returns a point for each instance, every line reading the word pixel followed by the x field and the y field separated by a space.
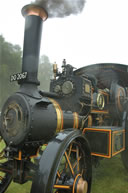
pixel 54 138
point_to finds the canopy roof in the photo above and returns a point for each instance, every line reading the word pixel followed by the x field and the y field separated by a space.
pixel 106 73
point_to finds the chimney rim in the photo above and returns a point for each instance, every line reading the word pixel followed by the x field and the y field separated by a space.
pixel 32 9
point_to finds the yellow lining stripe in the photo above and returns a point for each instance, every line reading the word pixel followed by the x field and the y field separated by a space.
pixel 59 114
pixel 109 146
pixel 76 120
pixel 114 132
pixel 97 111
pixel 75 183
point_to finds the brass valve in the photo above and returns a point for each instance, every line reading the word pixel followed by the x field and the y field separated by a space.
pixel 55 70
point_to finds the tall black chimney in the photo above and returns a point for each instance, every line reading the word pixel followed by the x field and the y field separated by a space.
pixel 34 17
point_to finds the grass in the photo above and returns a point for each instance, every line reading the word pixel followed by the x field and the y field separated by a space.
pixel 109 177
pixel 17 188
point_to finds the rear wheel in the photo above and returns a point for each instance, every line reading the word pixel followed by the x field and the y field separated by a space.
pixel 65 165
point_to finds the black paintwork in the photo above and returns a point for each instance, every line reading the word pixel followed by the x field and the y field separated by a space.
pixel 106 73
pixel 29 119
pixel 74 100
pixel 31 49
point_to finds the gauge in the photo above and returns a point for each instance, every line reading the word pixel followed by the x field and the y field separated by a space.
pixel 67 87
pixel 100 101
pixel 57 88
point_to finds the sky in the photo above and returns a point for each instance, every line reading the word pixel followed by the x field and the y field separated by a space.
pixel 98 34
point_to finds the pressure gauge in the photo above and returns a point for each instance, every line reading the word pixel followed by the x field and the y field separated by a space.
pixel 67 87
pixel 57 88
pixel 100 101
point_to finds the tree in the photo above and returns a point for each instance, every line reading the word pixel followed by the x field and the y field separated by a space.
pixel 45 73
pixel 10 63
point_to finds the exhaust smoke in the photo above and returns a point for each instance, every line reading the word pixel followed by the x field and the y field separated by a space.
pixel 61 8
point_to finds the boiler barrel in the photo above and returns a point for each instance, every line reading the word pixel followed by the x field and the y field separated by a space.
pixel 26 119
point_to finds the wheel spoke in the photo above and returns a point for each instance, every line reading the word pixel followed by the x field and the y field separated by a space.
pixel 58 173
pixel 70 149
pixel 77 157
pixel 69 163
pixel 75 164
pixel 62 187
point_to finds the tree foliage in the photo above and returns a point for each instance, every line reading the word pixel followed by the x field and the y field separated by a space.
pixel 10 63
pixel 45 73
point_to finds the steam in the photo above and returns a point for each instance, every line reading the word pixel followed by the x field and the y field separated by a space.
pixel 61 8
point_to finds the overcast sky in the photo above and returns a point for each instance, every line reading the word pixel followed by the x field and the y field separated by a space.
pixel 98 34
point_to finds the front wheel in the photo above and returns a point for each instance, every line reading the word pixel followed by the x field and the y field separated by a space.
pixel 65 165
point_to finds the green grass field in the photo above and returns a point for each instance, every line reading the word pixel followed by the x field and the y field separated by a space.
pixel 109 177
